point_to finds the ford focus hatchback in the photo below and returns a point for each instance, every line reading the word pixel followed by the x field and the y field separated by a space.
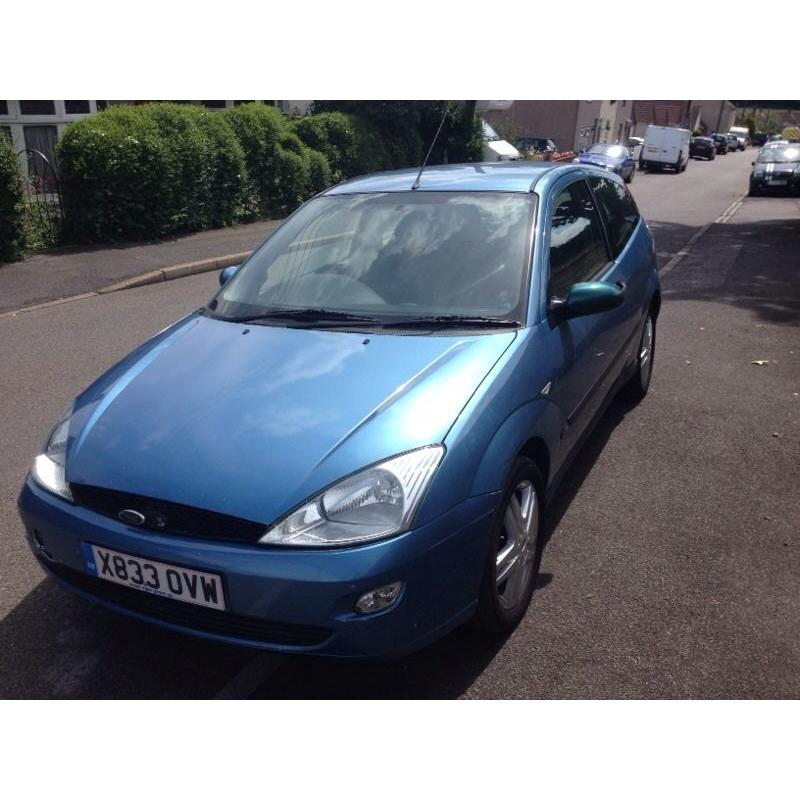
pixel 349 449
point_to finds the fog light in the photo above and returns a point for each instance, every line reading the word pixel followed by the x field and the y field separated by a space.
pixel 378 599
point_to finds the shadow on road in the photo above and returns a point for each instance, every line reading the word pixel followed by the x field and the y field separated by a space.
pixel 56 645
pixel 753 265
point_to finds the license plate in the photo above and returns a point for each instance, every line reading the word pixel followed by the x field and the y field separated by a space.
pixel 777 182
pixel 155 577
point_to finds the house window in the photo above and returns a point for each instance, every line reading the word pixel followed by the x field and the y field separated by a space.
pixel 42 162
pixel 102 105
pixel 213 103
pixel 4 107
pixel 5 131
pixel 76 106
pixel 37 107
pixel 242 102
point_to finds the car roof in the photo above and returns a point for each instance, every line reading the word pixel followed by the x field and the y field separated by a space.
pixel 494 176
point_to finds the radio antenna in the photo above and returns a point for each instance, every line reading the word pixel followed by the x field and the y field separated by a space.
pixel 415 185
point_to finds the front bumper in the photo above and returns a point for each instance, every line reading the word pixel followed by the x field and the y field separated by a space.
pixel 283 599
pixel 763 183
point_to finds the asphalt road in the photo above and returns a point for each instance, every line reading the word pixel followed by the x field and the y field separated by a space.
pixel 672 562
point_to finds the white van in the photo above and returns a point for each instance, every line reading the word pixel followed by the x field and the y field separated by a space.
pixel 665 147
pixel 743 135
pixel 495 148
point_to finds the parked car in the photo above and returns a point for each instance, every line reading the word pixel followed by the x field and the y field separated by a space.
pixel 495 148
pixel 760 139
pixel 528 145
pixel 720 143
pixel 743 135
pixel 776 168
pixel 613 157
pixel 703 147
pixel 665 147
pixel 733 143
pixel 349 449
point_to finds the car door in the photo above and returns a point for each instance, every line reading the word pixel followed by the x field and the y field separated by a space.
pixel 577 251
pixel 628 269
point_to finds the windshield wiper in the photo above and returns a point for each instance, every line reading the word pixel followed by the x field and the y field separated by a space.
pixel 452 320
pixel 306 315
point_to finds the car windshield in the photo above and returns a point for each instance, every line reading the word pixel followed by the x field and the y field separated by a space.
pixel 612 150
pixel 779 155
pixel 489 133
pixel 391 257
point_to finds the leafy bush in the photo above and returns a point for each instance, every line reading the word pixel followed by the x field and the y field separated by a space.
pixel 147 171
pixel 188 162
pixel 407 127
pixel 259 129
pixel 330 134
pixel 351 144
pixel 12 203
pixel 115 177
pixel 319 172
pixel 228 172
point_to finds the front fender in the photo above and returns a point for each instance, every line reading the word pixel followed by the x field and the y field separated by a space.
pixel 538 419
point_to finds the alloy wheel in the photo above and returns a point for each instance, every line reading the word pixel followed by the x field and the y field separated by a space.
pixel 517 545
pixel 646 352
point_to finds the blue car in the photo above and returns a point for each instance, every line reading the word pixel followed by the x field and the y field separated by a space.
pixel 613 157
pixel 349 449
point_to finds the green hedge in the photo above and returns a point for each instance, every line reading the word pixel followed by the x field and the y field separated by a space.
pixel 282 170
pixel 147 171
pixel 407 127
pixel 143 172
pixel 12 203
pixel 351 144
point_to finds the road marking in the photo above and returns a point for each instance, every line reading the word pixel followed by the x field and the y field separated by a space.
pixel 686 249
pixel 250 677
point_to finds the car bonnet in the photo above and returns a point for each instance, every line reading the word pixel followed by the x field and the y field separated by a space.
pixel 250 420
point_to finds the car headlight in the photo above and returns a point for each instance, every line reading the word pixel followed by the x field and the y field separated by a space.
pixel 378 501
pixel 49 467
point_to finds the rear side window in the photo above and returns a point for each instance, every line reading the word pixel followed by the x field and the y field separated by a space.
pixel 619 210
pixel 577 248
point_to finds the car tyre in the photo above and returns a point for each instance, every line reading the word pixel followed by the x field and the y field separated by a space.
pixel 512 558
pixel 639 383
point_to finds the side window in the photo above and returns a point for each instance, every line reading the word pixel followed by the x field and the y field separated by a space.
pixel 619 209
pixel 577 247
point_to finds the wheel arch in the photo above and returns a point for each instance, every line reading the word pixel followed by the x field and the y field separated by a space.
pixel 655 303
pixel 532 430
pixel 536 450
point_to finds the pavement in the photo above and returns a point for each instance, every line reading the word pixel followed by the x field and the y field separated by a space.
pixel 70 271
pixel 672 558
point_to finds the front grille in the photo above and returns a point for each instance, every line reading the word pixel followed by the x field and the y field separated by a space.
pixel 207 620
pixel 167 517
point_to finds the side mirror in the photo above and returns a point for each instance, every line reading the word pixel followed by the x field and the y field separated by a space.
pixel 589 298
pixel 227 274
